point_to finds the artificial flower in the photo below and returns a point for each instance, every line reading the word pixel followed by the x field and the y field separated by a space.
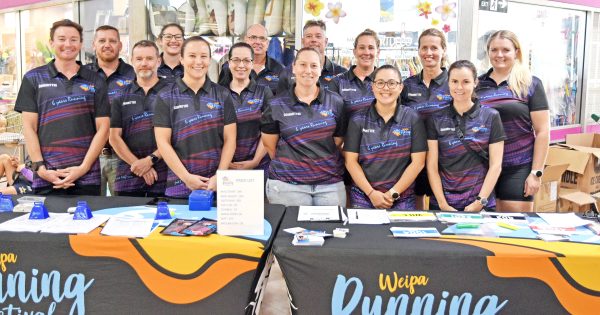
pixel 313 7
pixel 335 12
pixel 446 10
pixel 446 28
pixel 424 8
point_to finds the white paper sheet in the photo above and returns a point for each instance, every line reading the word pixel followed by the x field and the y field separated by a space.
pixel 565 220
pixel 65 224
pixel 128 227
pixel 319 213
pixel 240 206
pixel 411 216
pixel 23 224
pixel 367 216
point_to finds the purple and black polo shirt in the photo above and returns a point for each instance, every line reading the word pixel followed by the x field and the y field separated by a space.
pixel 356 94
pixel 249 106
pixel 118 81
pixel 426 100
pixel 306 152
pixel 515 115
pixel 329 71
pixel 268 77
pixel 167 73
pixel 67 110
pixel 384 151
pixel 462 173
pixel 132 111
pixel 197 124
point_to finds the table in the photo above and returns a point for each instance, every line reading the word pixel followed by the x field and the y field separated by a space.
pixel 369 271
pixel 95 274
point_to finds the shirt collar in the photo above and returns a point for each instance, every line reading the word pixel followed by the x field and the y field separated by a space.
pixel 183 87
pixel 159 85
pixel 164 65
pixel 320 97
pixel 54 72
pixel 440 79
pixel 374 115
pixel 121 68
pixel 486 77
pixel 471 113
pixel 352 76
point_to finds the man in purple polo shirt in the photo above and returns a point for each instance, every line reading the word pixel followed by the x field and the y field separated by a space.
pixel 65 118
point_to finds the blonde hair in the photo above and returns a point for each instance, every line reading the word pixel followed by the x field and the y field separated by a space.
pixel 519 79
pixel 436 33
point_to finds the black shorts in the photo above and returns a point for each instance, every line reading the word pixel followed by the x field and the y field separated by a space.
pixel 22 185
pixel 511 184
pixel 422 186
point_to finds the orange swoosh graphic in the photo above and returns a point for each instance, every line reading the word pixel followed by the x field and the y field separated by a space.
pixel 211 280
pixel 513 260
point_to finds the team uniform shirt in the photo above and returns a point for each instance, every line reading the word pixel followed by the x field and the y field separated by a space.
pixel 133 111
pixel 356 94
pixel 329 71
pixel 515 115
pixel 306 152
pixel 268 77
pixel 67 109
pixel 462 173
pixel 249 106
pixel 118 81
pixel 426 100
pixel 197 122
pixel 165 72
pixel 384 151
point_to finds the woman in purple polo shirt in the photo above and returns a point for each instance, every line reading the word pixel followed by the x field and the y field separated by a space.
pixel 519 97
pixel 303 130
pixel 465 147
pixel 385 147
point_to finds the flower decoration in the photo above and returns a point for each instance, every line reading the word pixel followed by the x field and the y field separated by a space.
pixel 313 7
pixel 424 8
pixel 446 28
pixel 446 10
pixel 435 22
pixel 335 12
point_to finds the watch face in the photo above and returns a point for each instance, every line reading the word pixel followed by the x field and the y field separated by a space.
pixel 538 173
pixel 395 195
pixel 484 201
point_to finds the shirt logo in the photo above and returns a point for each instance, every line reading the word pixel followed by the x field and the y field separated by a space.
pixel 88 87
pixel 47 85
pixel 254 101
pixel 346 90
pixel 214 105
pixel 326 113
pixel 481 128
pixel 328 77
pixel 273 77
pixel 129 103
pixel 401 132
pixel 123 82
pixel 180 106
pixel 414 94
pixel 443 97
pixel 291 114
pixel 368 130
pixel 447 129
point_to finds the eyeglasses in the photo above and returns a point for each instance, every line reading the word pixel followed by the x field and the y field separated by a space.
pixel 255 38
pixel 169 37
pixel 237 61
pixel 391 84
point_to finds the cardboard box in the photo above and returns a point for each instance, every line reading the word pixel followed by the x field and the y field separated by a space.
pixel 546 199
pixel 582 153
pixel 576 202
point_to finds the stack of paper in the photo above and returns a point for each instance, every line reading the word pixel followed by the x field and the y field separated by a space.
pixel 566 220
pixel 320 214
pixel 23 224
pixel 307 240
pixel 411 216
pixel 414 232
pixel 460 217
pixel 64 223
pixel 367 216
pixel 128 227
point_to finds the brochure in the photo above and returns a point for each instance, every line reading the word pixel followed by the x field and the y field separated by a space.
pixel 320 214
pixel 411 216
pixel 367 216
pixel 414 232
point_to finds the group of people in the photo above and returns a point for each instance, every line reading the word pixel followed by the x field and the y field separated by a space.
pixel 324 135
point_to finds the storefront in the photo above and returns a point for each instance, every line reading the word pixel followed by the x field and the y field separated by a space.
pixel 561 40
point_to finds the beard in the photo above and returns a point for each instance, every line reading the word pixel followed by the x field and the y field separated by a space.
pixel 145 74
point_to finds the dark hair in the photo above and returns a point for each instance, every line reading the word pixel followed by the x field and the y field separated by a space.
pixel 240 45
pixel 108 28
pixel 459 64
pixel 367 32
pixel 436 33
pixel 66 23
pixel 196 38
pixel 311 23
pixel 145 43
pixel 162 30
pixel 305 49
pixel 388 67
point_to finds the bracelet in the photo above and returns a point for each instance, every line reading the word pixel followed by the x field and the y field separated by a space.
pixel 369 194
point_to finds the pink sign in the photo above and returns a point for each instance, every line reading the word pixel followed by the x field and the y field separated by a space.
pixel 587 3
pixel 5 4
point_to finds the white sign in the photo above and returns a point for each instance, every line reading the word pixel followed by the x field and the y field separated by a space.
pixel 240 202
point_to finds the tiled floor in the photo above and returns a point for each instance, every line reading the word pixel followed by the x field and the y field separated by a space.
pixel 275 300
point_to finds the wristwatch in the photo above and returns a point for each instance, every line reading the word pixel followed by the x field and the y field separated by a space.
pixel 154 158
pixel 537 173
pixel 394 193
pixel 36 165
pixel 482 200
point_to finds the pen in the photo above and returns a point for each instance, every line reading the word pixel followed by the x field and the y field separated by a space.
pixel 507 226
pixel 467 226
pixel 356 215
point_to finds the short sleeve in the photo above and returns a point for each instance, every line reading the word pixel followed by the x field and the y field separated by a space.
pixel 418 136
pixel 538 99
pixel 267 123
pixel 162 115
pixel 353 137
pixel 116 121
pixel 431 129
pixel 26 99
pixel 229 116
pixel 101 99
pixel 496 130
pixel 225 76
pixel 341 121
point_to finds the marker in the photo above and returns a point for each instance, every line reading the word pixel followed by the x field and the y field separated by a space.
pixel 507 226
pixel 467 226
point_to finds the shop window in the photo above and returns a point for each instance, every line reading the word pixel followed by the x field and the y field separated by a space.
pixel 552 47
pixel 398 23
pixel 592 104
pixel 100 12
pixel 8 57
pixel 35 32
